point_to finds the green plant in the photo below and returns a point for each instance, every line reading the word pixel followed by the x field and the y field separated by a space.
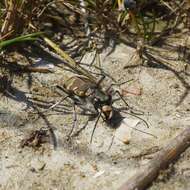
pixel 23 38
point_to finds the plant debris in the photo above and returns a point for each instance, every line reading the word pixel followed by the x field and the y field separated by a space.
pixel 35 139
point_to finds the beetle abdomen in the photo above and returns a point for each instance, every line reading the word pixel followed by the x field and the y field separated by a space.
pixel 79 86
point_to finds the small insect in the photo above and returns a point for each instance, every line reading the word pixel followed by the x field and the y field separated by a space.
pixel 83 92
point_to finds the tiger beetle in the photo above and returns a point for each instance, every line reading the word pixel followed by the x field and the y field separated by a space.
pixel 83 91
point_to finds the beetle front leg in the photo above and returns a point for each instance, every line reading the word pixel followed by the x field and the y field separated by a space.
pixel 100 80
pixel 121 97
pixel 74 119
pixel 99 115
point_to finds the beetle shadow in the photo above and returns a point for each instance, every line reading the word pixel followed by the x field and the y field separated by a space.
pixel 115 120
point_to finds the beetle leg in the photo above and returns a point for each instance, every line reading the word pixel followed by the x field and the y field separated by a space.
pixel 56 104
pixel 129 107
pixel 100 80
pixel 121 97
pixel 62 89
pixel 94 58
pixel 99 115
pixel 74 120
pixel 78 132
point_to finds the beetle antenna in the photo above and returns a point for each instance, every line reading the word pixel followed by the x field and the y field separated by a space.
pixel 118 84
pixel 131 109
pixel 112 140
pixel 143 131
pixel 134 115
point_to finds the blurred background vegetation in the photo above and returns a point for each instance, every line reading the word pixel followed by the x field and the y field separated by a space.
pixel 92 24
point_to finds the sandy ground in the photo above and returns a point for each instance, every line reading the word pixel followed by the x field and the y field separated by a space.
pixel 79 165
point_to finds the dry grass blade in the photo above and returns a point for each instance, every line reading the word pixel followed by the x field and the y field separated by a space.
pixel 9 19
pixel 70 62
pixel 13 20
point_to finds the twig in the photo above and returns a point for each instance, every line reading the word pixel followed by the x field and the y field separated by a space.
pixel 160 161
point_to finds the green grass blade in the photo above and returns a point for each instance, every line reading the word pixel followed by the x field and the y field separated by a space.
pixel 28 37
